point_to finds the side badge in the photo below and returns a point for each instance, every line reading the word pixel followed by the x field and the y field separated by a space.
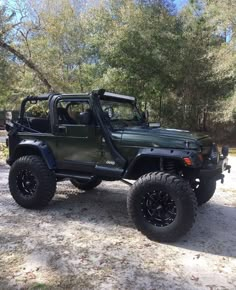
pixel 110 162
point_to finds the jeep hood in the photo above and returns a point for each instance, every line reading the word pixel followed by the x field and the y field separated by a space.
pixel 164 138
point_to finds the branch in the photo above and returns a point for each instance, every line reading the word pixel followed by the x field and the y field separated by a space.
pixel 29 63
pixel 8 29
pixel 26 40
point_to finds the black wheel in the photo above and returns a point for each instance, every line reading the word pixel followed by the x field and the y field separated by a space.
pixel 31 183
pixel 86 185
pixel 204 190
pixel 162 206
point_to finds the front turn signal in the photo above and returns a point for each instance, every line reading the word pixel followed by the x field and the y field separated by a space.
pixel 187 161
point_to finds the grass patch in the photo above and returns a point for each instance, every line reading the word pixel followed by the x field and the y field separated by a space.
pixel 39 286
pixel 3 133
pixel 232 151
pixel 3 152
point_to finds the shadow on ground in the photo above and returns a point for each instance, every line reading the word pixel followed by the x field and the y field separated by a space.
pixel 108 207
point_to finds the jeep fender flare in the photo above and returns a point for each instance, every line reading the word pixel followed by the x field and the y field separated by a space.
pixel 158 153
pixel 31 147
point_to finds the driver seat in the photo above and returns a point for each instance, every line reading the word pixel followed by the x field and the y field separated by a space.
pixel 64 117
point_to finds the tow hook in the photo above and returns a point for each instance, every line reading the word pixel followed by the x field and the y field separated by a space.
pixel 222 178
pixel 228 167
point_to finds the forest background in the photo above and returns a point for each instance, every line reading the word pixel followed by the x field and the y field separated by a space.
pixel 178 59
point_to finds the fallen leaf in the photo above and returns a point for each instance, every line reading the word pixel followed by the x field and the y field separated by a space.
pixel 193 278
pixel 30 275
pixel 198 256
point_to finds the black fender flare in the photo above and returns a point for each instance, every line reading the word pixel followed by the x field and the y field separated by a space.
pixel 176 154
pixel 35 145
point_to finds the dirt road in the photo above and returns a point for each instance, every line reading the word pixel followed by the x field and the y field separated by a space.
pixel 86 241
pixel 3 136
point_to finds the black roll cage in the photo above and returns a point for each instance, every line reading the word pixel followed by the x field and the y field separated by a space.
pixel 93 99
pixel 54 98
pixel 45 97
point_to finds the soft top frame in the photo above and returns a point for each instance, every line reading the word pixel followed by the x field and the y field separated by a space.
pixel 47 97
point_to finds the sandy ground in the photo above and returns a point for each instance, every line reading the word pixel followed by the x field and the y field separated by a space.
pixel 86 241
pixel 3 138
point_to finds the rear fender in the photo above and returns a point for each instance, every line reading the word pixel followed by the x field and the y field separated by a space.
pixel 33 147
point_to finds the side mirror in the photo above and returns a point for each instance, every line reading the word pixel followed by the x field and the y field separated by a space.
pixel 8 116
pixel 85 118
pixel 8 125
pixel 145 115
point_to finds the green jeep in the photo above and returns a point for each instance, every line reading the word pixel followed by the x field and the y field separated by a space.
pixel 87 138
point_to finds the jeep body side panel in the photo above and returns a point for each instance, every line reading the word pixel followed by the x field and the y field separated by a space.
pixel 82 146
pixel 79 146
pixel 76 146
pixel 73 151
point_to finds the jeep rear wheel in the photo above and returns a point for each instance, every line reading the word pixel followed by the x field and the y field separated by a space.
pixel 162 206
pixel 86 185
pixel 31 183
pixel 204 190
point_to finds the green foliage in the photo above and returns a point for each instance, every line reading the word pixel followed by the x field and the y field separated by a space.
pixel 3 152
pixel 37 110
pixel 39 286
pixel 184 62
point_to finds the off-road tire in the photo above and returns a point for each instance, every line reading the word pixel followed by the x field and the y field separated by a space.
pixel 45 182
pixel 205 191
pixel 87 185
pixel 181 194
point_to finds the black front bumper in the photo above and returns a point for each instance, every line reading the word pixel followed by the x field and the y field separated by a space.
pixel 215 171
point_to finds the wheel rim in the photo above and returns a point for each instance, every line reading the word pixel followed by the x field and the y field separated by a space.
pixel 26 183
pixel 158 208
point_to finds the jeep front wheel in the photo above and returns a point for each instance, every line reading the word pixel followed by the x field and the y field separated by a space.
pixel 162 206
pixel 86 185
pixel 31 183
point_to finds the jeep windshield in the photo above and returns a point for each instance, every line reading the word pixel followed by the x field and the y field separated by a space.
pixel 121 113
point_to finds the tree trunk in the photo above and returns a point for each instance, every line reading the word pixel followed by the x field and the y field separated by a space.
pixel 29 63
pixel 205 114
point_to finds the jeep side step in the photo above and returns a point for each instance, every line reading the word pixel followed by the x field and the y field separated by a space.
pixel 126 182
pixel 76 176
